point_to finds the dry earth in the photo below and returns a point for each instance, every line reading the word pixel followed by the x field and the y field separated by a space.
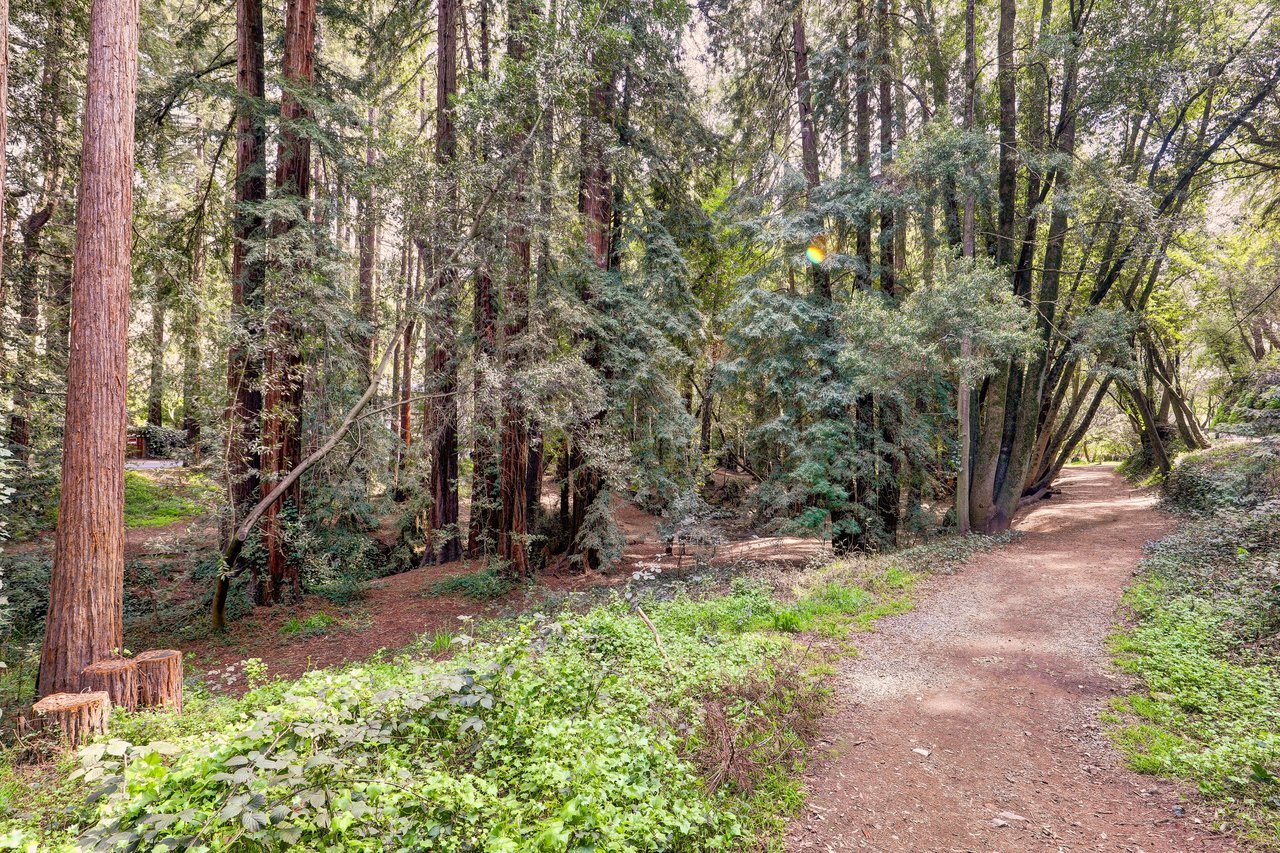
pixel 971 723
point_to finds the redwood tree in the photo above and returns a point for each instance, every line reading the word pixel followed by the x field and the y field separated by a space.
pixel 85 621
pixel 282 428
pixel 595 204
pixel 440 423
pixel 514 442
pixel 244 367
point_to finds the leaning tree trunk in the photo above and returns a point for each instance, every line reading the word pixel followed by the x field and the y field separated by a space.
pixel 85 621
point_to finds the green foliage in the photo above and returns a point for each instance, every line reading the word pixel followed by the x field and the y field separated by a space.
pixel 484 584
pixel 550 733
pixel 1229 476
pixel 1206 641
pixel 538 740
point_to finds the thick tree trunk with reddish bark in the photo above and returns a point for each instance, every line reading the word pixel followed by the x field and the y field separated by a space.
pixel 440 417
pixel 85 621
pixel 244 367
pixel 282 431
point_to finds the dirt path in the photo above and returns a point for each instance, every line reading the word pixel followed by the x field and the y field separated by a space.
pixel 999 674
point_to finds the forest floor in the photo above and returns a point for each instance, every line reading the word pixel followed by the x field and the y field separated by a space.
pixel 397 610
pixel 971 722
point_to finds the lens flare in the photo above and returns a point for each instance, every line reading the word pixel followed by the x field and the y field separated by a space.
pixel 817 251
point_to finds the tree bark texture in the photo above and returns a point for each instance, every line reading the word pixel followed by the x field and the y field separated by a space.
pixel 78 716
pixel 160 679
pixel 85 620
pixel 244 364
pixel 440 421
pixel 282 404
pixel 118 678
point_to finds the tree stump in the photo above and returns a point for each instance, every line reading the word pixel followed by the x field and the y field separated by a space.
pixel 79 716
pixel 118 677
pixel 160 679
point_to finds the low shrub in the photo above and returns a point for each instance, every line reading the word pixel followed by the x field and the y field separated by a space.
pixel 484 584
pixel 1226 477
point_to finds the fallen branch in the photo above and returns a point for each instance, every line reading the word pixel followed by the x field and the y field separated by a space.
pixel 657 638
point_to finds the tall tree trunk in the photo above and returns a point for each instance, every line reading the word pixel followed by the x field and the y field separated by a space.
pixel 248 274
pixel 862 135
pixel 595 204
pixel 995 411
pixel 484 472
pixel 440 422
pixel 513 527
pixel 366 297
pixel 86 590
pixel 28 287
pixel 155 389
pixel 190 334
pixel 282 430
pixel 4 136
pixel 964 394
pixel 888 487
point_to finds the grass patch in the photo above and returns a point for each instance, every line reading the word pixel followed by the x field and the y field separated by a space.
pixel 148 503
pixel 310 626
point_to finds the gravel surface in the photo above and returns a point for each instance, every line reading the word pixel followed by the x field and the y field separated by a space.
pixel 971 722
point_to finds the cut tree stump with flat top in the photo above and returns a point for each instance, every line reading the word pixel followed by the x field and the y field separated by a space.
pixel 79 716
pixel 118 677
pixel 160 679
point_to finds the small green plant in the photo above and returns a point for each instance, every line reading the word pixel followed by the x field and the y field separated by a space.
pixel 441 642
pixel 255 672
pixel 310 626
